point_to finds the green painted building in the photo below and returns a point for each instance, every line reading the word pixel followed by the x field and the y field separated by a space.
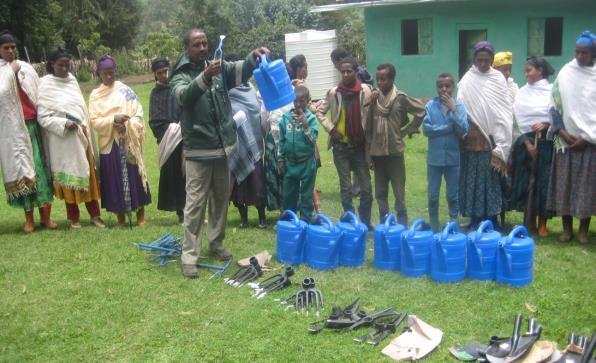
pixel 423 38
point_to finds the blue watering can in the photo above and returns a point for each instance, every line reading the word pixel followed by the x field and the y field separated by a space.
pixel 415 249
pixel 387 243
pixel 291 233
pixel 448 254
pixel 482 252
pixel 274 83
pixel 352 251
pixel 515 258
pixel 322 244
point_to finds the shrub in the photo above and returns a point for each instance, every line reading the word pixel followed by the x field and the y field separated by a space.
pixel 84 75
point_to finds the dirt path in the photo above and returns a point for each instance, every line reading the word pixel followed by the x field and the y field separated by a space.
pixel 129 81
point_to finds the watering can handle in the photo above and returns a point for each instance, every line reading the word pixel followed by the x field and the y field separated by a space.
pixel 487 224
pixel 442 251
pixel 263 67
pixel 349 216
pixel 478 252
pixel 415 225
pixel 390 220
pixel 264 60
pixel 292 216
pixel 508 258
pixel 409 250
pixel 519 231
pixel 325 219
pixel 449 228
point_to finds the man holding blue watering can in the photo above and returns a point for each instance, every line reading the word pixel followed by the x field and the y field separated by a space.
pixel 209 135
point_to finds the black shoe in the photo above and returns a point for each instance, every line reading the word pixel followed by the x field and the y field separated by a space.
pixel 243 225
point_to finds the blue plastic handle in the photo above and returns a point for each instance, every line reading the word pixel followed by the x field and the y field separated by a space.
pixel 292 216
pixel 482 228
pixel 323 218
pixel 350 217
pixel 390 220
pixel 417 223
pixel 518 231
pixel 450 228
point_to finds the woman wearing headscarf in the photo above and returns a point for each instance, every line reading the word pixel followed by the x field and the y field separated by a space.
pixel 24 169
pixel 572 189
pixel 117 119
pixel 486 147
pixel 503 63
pixel 164 118
pixel 62 112
pixel 532 151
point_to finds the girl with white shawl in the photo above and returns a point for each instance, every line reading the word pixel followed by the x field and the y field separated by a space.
pixel 22 157
pixel 486 147
pixel 572 189
pixel 117 119
pixel 63 114
pixel 532 151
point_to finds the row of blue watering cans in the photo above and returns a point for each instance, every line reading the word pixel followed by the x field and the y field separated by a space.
pixel 450 256
pixel 274 83
pixel 321 244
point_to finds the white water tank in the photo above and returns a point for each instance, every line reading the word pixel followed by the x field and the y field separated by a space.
pixel 316 46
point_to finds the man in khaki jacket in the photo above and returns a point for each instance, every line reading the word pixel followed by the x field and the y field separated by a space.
pixel 348 104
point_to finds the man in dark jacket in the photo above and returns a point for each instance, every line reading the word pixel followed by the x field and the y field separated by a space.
pixel 208 134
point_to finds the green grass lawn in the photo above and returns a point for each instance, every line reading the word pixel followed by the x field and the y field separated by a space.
pixel 90 295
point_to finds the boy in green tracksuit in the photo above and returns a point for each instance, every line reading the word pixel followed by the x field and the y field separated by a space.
pixel 298 132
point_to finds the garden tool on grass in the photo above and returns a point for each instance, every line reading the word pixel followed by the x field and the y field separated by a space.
pixel 168 248
pixel 579 350
pixel 339 318
pixel 219 270
pixel 525 342
pixel 470 352
pixel 245 274
pixel 273 283
pixel 382 329
pixel 305 299
pixel 511 348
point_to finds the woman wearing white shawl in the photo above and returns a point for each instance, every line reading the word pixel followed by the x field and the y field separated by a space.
pixel 572 189
pixel 486 147
pixel 117 117
pixel 26 178
pixel 532 151
pixel 63 114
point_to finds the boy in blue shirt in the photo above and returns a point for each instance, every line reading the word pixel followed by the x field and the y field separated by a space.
pixel 445 123
pixel 298 130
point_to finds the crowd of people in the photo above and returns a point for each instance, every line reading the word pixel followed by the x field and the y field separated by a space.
pixel 497 146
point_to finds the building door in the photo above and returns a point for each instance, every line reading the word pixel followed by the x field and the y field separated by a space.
pixel 467 40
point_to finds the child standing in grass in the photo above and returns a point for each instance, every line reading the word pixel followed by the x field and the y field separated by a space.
pixel 445 123
pixel 298 132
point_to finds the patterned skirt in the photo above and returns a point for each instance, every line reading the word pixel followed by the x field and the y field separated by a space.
pixel 273 179
pixel 43 193
pixel 480 193
pixel 521 172
pixel 572 188
pixel 112 187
